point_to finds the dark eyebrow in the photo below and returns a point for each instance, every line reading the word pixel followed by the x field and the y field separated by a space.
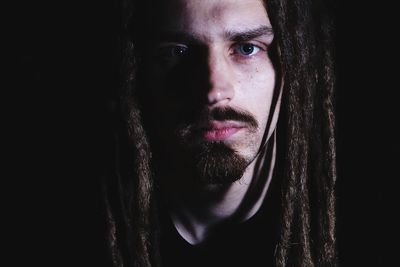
pixel 247 35
pixel 234 36
pixel 177 37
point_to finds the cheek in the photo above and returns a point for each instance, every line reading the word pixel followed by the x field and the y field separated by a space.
pixel 257 88
pixel 159 94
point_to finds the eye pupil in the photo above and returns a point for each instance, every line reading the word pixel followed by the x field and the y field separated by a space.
pixel 172 52
pixel 178 51
pixel 246 49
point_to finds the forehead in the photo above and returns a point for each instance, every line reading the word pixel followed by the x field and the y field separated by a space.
pixel 210 17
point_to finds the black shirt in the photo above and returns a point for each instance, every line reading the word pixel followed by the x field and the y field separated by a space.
pixel 251 243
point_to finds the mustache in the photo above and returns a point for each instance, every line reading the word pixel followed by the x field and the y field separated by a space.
pixel 205 116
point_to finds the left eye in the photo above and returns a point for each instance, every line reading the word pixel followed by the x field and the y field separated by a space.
pixel 247 49
pixel 173 51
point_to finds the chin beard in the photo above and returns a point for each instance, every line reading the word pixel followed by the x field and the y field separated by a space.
pixel 210 163
pixel 215 163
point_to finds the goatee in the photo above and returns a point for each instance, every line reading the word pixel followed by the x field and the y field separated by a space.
pixel 215 163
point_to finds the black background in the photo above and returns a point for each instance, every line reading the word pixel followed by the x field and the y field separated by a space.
pixel 63 67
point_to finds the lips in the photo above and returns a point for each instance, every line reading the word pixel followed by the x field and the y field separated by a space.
pixel 220 130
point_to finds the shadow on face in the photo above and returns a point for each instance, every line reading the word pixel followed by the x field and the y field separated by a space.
pixel 200 56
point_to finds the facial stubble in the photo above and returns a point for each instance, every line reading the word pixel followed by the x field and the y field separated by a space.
pixel 215 162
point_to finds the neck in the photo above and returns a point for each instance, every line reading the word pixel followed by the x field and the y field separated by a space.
pixel 197 211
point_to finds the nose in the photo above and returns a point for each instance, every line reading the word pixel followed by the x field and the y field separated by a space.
pixel 221 79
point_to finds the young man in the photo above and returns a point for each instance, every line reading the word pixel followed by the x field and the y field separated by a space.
pixel 204 174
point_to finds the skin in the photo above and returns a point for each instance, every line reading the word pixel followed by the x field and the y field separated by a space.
pixel 206 58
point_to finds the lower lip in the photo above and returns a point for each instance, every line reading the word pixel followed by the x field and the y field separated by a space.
pixel 220 134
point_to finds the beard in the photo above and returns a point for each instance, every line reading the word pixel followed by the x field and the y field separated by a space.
pixel 213 162
pixel 216 163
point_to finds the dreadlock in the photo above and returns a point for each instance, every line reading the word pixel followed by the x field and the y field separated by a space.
pixel 310 154
pixel 307 235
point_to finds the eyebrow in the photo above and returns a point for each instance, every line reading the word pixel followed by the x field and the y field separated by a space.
pixel 235 36
pixel 243 36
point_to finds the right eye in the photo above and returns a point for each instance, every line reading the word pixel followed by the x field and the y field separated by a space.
pixel 172 51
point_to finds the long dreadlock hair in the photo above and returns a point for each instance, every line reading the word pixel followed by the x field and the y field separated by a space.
pixel 303 32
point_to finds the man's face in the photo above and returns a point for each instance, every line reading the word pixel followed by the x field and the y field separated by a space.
pixel 210 81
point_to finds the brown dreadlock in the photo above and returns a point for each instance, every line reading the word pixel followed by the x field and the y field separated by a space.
pixel 303 34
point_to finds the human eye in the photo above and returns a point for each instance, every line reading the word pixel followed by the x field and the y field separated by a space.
pixel 172 51
pixel 246 49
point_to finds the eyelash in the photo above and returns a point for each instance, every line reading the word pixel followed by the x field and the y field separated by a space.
pixel 173 50
pixel 176 51
pixel 238 49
